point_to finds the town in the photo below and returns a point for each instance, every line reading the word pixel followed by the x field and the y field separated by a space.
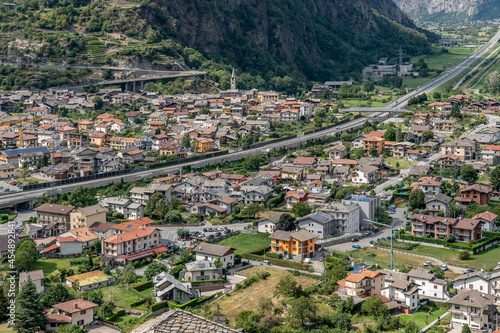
pixel 366 204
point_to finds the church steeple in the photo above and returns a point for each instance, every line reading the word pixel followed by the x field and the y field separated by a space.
pixel 233 80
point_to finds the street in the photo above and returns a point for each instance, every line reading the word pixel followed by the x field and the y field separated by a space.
pixel 22 215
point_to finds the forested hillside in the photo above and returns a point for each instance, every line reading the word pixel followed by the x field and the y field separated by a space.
pixel 273 44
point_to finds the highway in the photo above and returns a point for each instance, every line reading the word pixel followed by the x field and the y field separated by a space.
pixel 12 199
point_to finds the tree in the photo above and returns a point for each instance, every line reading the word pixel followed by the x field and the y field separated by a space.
pixel 218 263
pixel 438 272
pixel 302 310
pixel 4 311
pixel 151 205
pixel 464 255
pixel 97 246
pixel 173 216
pixel 23 171
pixel 128 274
pixel 465 329
pixel 82 197
pixel 455 112
pixel 399 135
pixel 495 178
pixel 98 103
pixel 374 306
pixel 252 209
pixel 468 174
pixel 493 82
pixel 45 160
pixel 287 287
pixel 411 327
pixel 26 255
pixel 390 133
pixel 106 310
pixel 154 269
pixel 358 153
pixel 300 209
pixel 186 140
pixel 287 222
pixel 428 135
pixel 368 86
pixel 56 293
pixel 183 233
pixel 70 329
pixel 107 74
pixel 417 198
pixel 94 296
pixel 30 312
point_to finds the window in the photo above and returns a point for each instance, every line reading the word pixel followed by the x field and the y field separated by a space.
pixel 423 283
pixel 470 286
pixel 435 286
pixel 435 295
pixel 80 322
pixel 83 312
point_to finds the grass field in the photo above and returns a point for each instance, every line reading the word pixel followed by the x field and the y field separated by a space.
pixel 244 243
pixel 50 265
pixel 27 180
pixel 4 328
pixel 403 163
pixel 453 57
pixel 248 298
pixel 423 318
pixel 121 296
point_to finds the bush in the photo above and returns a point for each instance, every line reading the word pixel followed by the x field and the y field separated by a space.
pixel 464 255
pixel 117 314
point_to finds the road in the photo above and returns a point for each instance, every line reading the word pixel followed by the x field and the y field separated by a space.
pixel 8 200
pixel 22 215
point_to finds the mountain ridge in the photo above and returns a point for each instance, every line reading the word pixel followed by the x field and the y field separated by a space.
pixel 451 10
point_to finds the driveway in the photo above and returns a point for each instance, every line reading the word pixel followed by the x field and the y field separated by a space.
pixel 100 329
pixel 232 281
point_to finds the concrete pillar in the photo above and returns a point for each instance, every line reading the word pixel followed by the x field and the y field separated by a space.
pixel 133 86
pixel 142 85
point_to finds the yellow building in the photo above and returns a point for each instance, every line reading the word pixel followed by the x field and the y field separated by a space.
pixel 85 217
pixel 373 143
pixel 203 144
pixel 268 96
pixel 293 245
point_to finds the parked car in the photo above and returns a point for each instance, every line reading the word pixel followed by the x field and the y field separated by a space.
pixel 427 264
pixel 265 262
pixel 373 242
pixel 355 240
pixel 321 259
pixel 470 270
pixel 444 267
pixel 205 230
pixel 356 246
pixel 227 231
pixel 217 234
pixel 307 261
pixel 366 233
pixel 211 236
pixel 210 229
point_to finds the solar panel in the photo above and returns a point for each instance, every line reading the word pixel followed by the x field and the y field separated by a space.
pixel 201 265
pixel 129 226
pixel 320 217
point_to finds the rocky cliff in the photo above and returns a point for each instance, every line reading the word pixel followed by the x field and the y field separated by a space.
pixel 322 39
pixel 442 10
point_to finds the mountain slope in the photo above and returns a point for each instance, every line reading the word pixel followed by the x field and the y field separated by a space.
pixel 451 10
pixel 271 43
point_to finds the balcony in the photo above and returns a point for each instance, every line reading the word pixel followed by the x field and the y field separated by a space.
pixel 276 245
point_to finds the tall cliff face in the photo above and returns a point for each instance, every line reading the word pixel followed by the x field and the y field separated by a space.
pixel 322 39
pixel 442 10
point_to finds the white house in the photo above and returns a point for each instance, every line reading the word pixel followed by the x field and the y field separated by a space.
pixel 210 252
pixel 478 281
pixel 366 174
pixel 130 210
pixel 428 285
pixel 474 308
pixel 269 224
pixel 403 292
pixel 489 220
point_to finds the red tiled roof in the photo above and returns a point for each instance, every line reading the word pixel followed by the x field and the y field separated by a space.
pixel 50 248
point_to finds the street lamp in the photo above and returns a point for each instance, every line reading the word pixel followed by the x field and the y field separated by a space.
pixel 392 234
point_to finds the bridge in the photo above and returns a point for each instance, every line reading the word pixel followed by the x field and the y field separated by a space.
pixel 383 109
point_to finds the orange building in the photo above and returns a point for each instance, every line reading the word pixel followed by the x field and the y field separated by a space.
pixel 203 144
pixel 375 143
pixel 293 245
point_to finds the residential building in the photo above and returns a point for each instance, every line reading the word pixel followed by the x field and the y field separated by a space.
pixel 202 144
pixel 54 218
pixel 464 230
pixel 435 204
pixel 429 286
pixel 75 312
pixel 293 197
pixel 129 209
pixel 86 216
pixel 365 174
pixel 131 242
pixel 335 219
pixel 88 281
pixel 368 208
pixel 133 225
pixel 293 245
pixel 478 193
pixel 292 173
pixel 8 171
pixel 428 185
pixel 404 293
pixel 474 308
pixel 479 281
pixel 85 236
pixel 270 224
pixel 464 148
pixel 167 288
pixel 200 270
pixel 37 277
pixel 488 219
pixel 212 252
pixel 101 229
pixel 256 194
pixel 373 144
pixel 30 156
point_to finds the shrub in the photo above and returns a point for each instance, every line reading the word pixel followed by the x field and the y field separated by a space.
pixel 464 255
pixel 143 286
pixel 159 305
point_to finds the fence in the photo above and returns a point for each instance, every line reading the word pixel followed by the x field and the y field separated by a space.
pixel 175 162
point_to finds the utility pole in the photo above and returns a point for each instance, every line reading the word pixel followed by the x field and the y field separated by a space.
pixel 392 239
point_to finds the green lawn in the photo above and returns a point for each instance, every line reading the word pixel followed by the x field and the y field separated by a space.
pixel 244 243
pixel 403 163
pixel 121 296
pixel 50 265
pixel 422 318
pixel 453 57
pixel 4 328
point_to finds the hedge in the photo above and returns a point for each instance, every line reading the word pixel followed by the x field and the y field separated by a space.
pixel 159 305
pixel 192 303
pixel 143 286
pixel 117 314
pixel 455 245
pixel 201 281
